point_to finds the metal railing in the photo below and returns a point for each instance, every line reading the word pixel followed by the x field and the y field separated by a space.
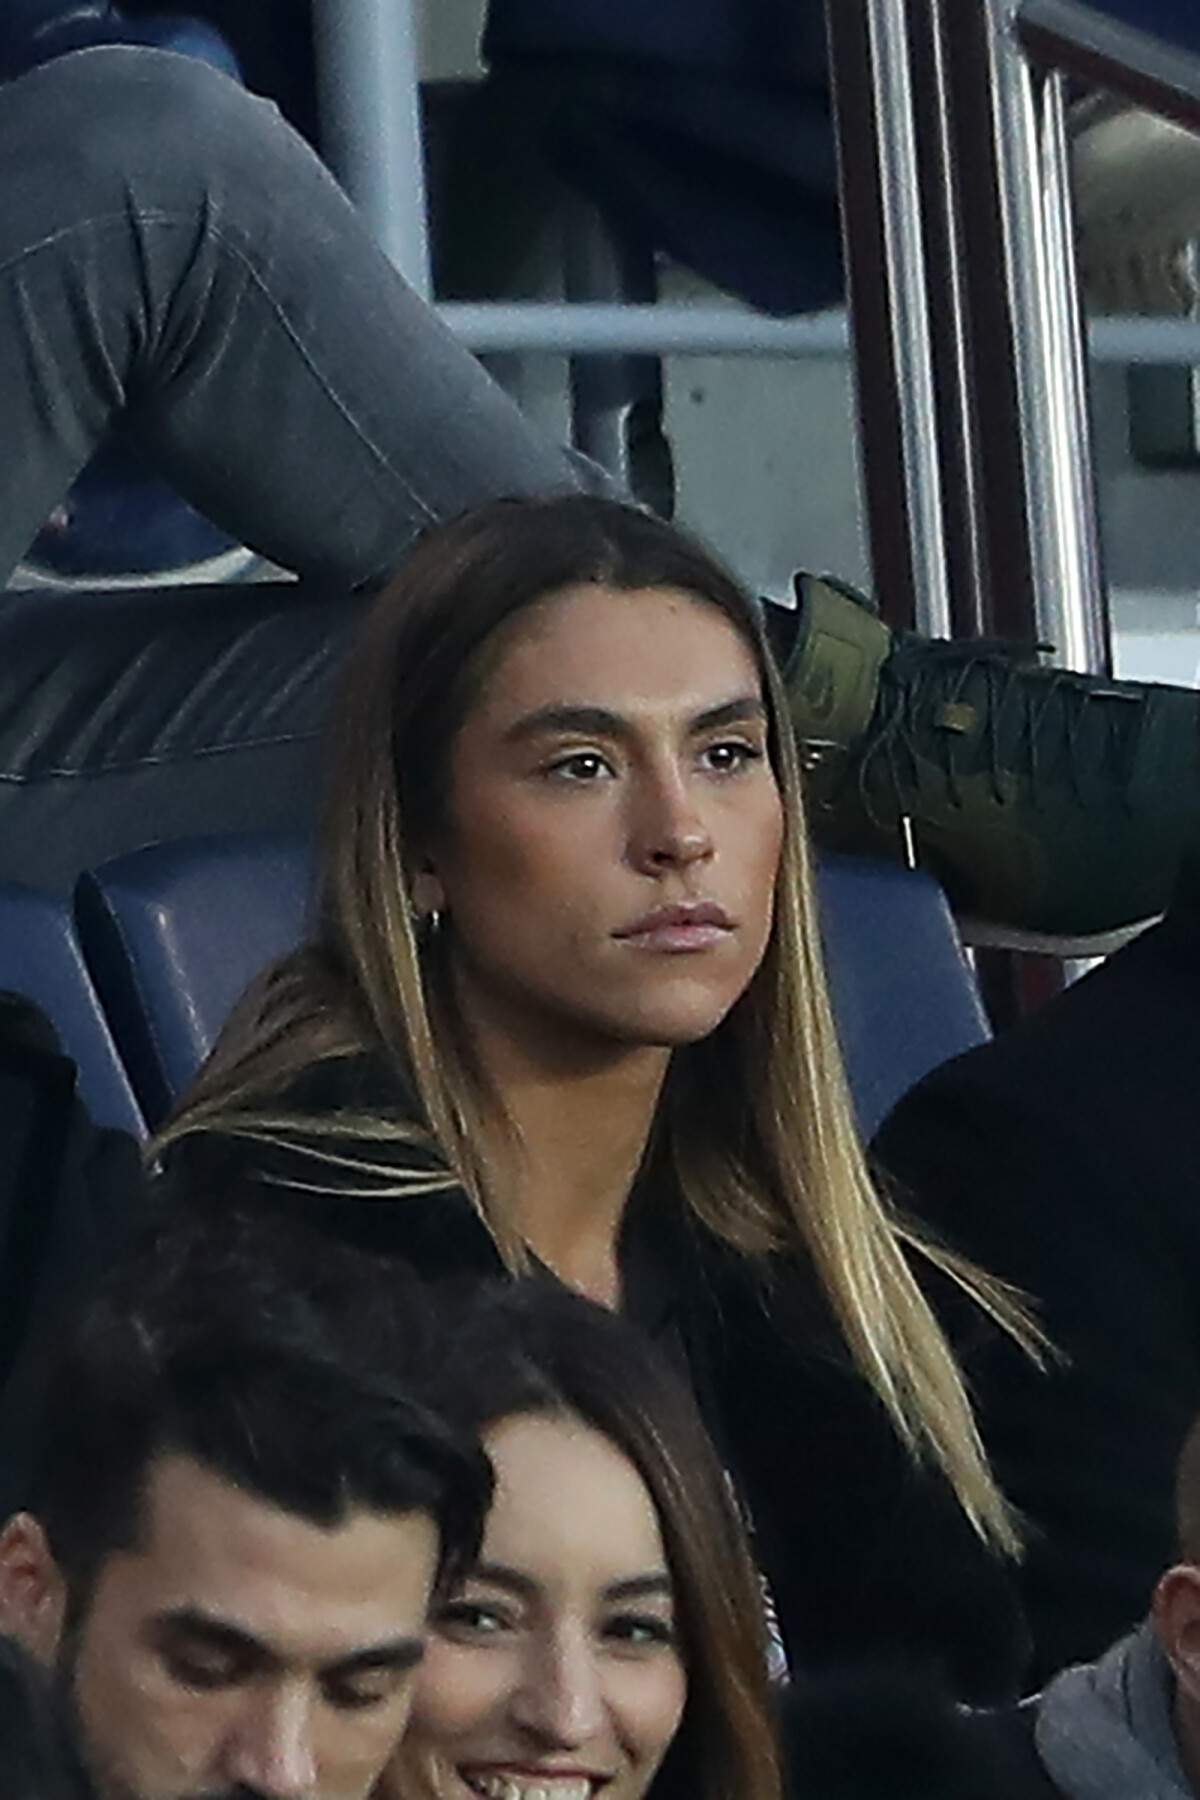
pixel 968 338
pixel 671 328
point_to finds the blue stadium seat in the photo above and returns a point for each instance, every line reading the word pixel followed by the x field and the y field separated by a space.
pixel 174 933
pixel 904 995
pixel 40 957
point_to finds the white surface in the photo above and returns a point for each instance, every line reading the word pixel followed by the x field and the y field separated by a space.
pixel 1156 636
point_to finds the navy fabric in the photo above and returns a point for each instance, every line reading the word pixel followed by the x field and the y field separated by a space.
pixel 777 41
pixel 698 127
pixel 731 174
pixel 1176 22
pixel 903 994
pixel 40 957
pixel 174 933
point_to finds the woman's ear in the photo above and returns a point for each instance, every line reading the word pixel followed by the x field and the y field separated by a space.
pixel 33 1591
pixel 428 894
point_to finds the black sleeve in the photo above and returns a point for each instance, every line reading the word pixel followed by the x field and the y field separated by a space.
pixel 867 1552
pixel 883 1735
pixel 390 1195
pixel 38 1761
pixel 70 1194
pixel 1034 1190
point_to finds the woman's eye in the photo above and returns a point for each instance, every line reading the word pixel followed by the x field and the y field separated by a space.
pixel 471 1618
pixel 637 1631
pixel 581 765
pixel 728 757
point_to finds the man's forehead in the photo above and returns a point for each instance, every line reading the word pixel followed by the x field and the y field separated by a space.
pixel 211 1550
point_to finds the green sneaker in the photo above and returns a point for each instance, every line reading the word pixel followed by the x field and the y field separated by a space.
pixel 1048 803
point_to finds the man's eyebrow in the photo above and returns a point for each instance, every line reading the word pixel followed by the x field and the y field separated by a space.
pixel 642 1587
pixel 599 721
pixel 198 1627
pixel 194 1626
pixel 392 1653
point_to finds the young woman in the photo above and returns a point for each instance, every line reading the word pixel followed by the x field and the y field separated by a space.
pixel 564 1006
pixel 612 1632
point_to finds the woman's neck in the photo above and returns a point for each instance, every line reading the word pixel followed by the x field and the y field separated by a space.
pixel 563 1155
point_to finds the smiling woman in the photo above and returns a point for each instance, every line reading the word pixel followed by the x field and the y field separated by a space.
pixel 611 1637
pixel 564 1007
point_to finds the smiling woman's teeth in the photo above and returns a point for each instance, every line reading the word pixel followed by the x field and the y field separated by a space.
pixel 508 1787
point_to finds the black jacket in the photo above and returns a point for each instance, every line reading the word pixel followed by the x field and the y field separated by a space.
pixel 879 1736
pixel 37 1760
pixel 862 1549
pixel 1065 1156
pixel 69 1192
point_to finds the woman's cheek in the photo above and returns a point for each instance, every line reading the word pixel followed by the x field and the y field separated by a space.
pixel 456 1689
pixel 653 1708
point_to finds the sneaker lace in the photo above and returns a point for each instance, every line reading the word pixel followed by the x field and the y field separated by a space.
pixel 1028 726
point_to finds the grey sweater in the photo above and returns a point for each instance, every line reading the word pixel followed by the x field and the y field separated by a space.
pixel 1104 1729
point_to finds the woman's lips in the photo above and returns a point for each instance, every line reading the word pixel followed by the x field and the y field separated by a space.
pixel 694 925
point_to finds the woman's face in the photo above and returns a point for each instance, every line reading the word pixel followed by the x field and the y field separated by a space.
pixel 609 863
pixel 555 1672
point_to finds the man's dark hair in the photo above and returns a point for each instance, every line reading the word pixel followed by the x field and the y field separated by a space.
pixel 301 1371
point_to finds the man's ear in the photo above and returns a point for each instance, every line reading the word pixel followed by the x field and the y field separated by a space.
pixel 33 1593
pixel 1175 1610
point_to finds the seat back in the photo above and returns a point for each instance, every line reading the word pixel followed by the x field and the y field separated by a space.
pixel 40 956
pixel 904 995
pixel 174 933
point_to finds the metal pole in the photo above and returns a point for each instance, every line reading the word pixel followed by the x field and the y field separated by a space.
pixel 1047 351
pixel 601 328
pixel 367 69
pixel 904 255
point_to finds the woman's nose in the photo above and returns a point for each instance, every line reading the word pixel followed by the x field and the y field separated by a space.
pixel 560 1698
pixel 668 827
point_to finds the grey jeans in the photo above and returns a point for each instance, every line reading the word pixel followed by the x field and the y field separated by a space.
pixel 172 254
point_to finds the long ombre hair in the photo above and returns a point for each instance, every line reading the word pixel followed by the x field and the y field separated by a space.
pixel 755 1124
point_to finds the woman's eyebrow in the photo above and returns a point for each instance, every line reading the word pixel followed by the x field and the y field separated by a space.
pixel 655 1583
pixel 731 712
pixel 600 721
pixel 651 1586
pixel 596 720
pixel 501 1575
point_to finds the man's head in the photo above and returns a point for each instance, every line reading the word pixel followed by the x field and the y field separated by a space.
pixel 1176 1608
pixel 242 1502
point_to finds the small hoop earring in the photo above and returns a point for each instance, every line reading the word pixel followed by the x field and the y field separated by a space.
pixel 429 924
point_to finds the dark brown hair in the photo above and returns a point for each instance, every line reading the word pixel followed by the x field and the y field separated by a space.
pixel 537 1349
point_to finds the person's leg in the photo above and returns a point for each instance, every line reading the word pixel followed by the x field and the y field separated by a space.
pixel 172 253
